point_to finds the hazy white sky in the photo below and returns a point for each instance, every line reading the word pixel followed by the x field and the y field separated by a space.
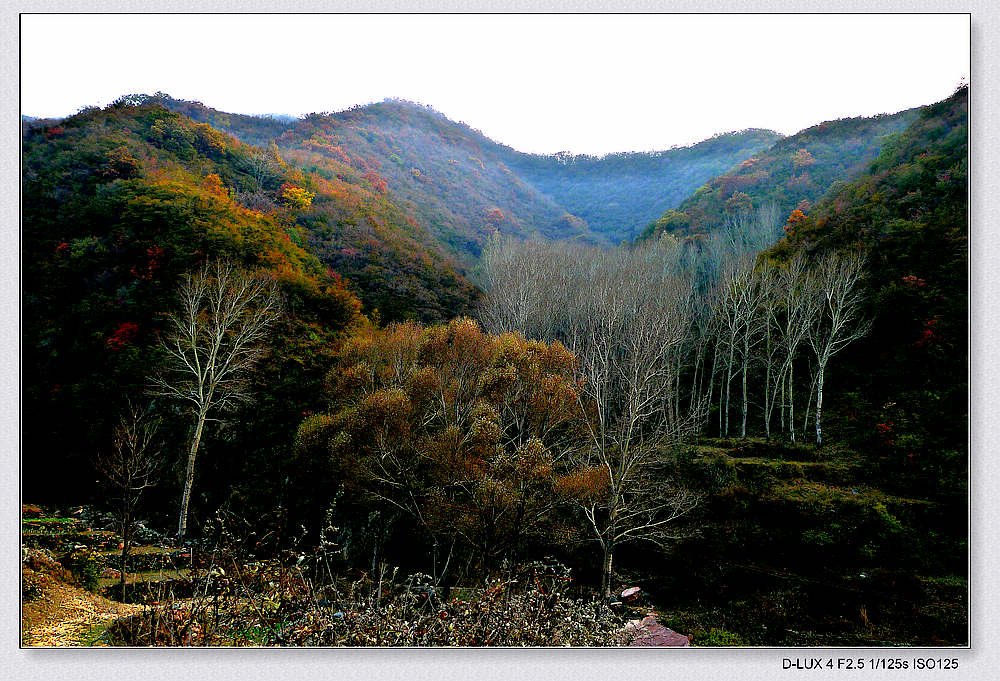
pixel 541 83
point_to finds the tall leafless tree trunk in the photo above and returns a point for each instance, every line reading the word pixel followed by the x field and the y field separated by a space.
pixel 731 331
pixel 769 311
pixel 795 310
pixel 213 341
pixel 752 328
pixel 837 286
pixel 736 247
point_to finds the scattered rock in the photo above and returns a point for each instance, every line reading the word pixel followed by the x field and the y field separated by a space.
pixel 40 560
pixel 630 594
pixel 648 633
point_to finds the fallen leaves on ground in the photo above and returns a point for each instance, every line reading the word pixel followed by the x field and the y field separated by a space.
pixel 63 615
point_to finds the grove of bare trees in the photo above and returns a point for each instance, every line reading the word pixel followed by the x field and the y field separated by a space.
pixel 626 315
pixel 663 334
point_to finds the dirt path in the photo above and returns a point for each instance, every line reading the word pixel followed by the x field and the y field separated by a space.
pixel 67 616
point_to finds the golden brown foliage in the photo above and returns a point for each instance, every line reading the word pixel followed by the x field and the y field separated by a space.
pixel 462 430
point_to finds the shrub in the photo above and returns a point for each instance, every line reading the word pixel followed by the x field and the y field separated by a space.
pixel 528 606
pixel 31 585
pixel 41 561
pixel 86 566
pixel 716 638
pixel 267 605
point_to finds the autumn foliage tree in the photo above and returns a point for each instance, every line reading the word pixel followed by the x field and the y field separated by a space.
pixel 296 197
pixel 461 431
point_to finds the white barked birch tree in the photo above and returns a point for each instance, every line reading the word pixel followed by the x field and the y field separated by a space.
pixel 212 343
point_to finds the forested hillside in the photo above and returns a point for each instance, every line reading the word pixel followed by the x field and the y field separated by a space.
pixel 874 524
pixel 463 186
pixel 393 262
pixel 910 212
pixel 447 177
pixel 793 173
pixel 119 202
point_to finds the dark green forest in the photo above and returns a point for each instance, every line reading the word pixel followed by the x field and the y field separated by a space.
pixel 386 369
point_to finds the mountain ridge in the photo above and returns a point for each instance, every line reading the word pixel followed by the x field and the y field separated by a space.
pixel 496 176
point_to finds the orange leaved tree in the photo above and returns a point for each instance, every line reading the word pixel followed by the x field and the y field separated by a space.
pixel 461 430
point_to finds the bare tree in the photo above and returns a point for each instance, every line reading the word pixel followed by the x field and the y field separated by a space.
pixel 263 164
pixel 791 310
pixel 130 467
pixel 770 307
pixel 637 322
pixel 836 282
pixel 627 316
pixel 750 295
pixel 743 323
pixel 802 309
pixel 213 341
pixel 727 340
pixel 511 297
pixel 749 232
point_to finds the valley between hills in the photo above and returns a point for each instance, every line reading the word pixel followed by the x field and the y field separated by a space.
pixel 370 378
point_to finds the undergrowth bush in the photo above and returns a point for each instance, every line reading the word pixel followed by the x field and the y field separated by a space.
pixel 298 599
pixel 527 606
pixel 86 565
pixel 31 585
pixel 716 638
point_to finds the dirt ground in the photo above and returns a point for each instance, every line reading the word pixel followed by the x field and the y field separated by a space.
pixel 64 615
